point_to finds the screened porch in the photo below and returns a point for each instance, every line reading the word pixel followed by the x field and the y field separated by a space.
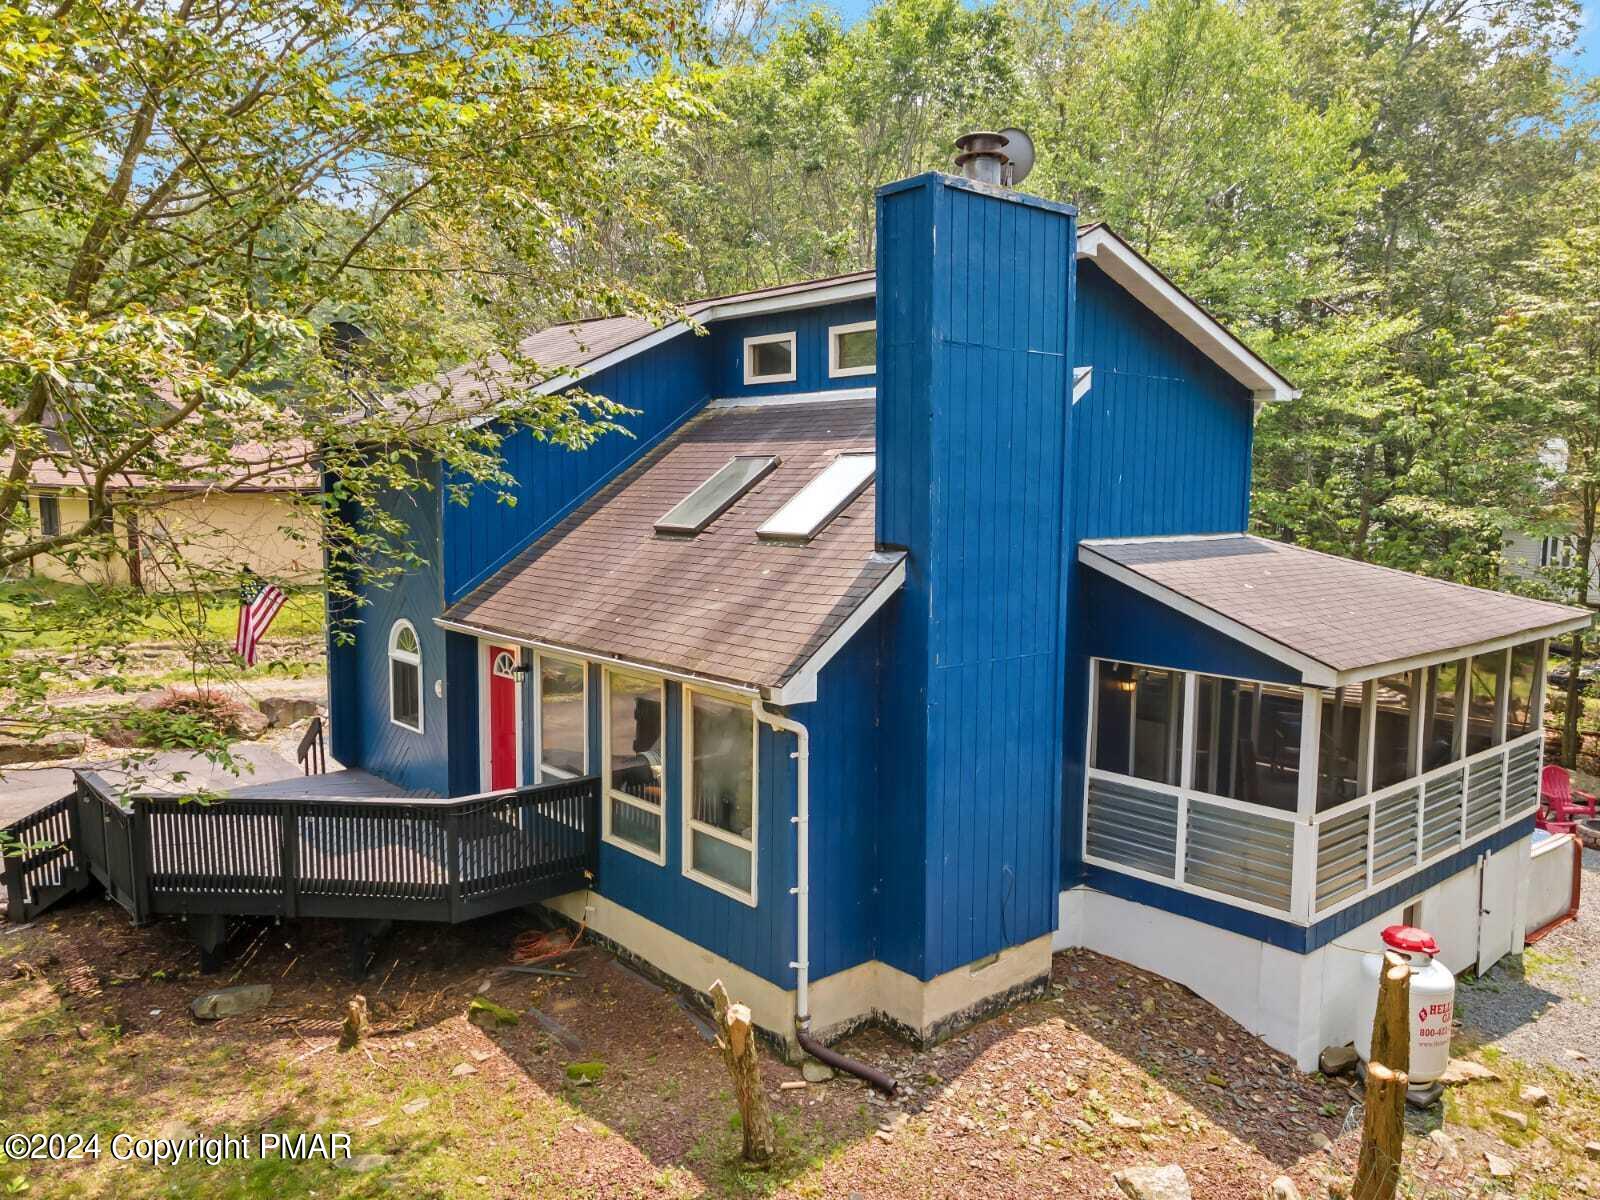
pixel 1290 732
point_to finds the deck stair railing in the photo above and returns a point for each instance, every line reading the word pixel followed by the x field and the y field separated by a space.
pixel 312 752
pixel 47 869
pixel 363 859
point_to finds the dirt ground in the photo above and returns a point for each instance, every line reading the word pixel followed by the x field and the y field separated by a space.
pixel 1115 1067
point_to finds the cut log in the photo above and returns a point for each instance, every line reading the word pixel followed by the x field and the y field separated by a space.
pixel 736 1037
pixel 1382 1134
pixel 1391 1023
pixel 356 1022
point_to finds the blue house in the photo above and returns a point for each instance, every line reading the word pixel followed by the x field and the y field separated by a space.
pixel 913 635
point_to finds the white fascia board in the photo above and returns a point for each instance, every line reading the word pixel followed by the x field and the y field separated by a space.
pixel 1312 671
pixel 801 688
pixel 609 660
pixel 1157 293
pixel 1401 665
pixel 830 396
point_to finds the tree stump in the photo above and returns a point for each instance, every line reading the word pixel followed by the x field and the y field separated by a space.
pixel 1383 1127
pixel 356 1022
pixel 736 1038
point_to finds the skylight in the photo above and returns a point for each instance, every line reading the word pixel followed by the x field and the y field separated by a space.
pixel 716 495
pixel 814 505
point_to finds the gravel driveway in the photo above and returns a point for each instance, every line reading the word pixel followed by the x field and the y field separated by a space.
pixel 1547 1008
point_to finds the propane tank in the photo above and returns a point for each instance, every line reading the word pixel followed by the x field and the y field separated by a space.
pixel 1433 996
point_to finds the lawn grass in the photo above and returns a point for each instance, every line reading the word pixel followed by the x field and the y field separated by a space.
pixel 35 614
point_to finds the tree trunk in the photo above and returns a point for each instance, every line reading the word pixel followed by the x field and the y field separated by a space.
pixel 1571 733
pixel 737 1040
pixel 1383 1127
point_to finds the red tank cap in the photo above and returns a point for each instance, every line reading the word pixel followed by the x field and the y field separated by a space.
pixel 1409 940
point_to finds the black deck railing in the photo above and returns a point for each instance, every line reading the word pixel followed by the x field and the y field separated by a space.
pixel 48 868
pixel 378 859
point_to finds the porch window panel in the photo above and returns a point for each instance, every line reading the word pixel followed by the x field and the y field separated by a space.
pixel 1247 741
pixel 1339 752
pixel 1520 717
pixel 1394 748
pixel 1488 676
pixel 562 733
pixel 1113 733
pixel 1443 710
pixel 1157 724
pixel 634 758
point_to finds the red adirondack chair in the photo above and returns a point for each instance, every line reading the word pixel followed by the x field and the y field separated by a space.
pixel 1560 802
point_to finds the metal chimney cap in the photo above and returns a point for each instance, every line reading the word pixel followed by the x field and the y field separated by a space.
pixel 982 155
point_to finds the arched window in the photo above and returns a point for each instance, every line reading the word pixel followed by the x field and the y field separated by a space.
pixel 405 677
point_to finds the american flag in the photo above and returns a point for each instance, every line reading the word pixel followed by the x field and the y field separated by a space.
pixel 259 602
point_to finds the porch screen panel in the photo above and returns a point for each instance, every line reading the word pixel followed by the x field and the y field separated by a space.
pixel 1444 703
pixel 1339 754
pixel 1133 826
pixel 1398 707
pixel 1240 854
pixel 1247 741
pixel 1488 677
pixel 1520 717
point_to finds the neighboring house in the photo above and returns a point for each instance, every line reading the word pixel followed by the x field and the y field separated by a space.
pixel 213 525
pixel 1525 556
pixel 913 636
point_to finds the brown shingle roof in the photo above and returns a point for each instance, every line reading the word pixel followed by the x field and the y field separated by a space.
pixel 1346 615
pixel 722 604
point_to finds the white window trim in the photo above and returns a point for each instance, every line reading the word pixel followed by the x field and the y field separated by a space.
pixel 406 656
pixel 660 857
pixel 556 776
pixel 690 825
pixel 485 669
pixel 768 339
pixel 835 332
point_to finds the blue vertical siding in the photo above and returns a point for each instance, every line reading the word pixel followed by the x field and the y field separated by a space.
pixel 666 385
pixel 358 679
pixel 974 358
pixel 1160 445
pixel 810 327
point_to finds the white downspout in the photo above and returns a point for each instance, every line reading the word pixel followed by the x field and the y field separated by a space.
pixel 802 823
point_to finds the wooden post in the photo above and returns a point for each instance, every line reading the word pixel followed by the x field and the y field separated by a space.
pixel 1383 1126
pixel 737 1040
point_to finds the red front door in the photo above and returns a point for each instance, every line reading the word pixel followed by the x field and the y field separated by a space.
pixel 502 718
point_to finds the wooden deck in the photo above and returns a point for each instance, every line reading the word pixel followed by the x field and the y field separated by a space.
pixel 344 845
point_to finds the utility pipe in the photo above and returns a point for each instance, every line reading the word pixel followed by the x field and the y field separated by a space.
pixel 802 894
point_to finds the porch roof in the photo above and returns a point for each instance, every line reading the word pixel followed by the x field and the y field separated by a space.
pixel 724 604
pixel 1332 619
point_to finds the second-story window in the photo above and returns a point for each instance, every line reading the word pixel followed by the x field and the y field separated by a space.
pixel 853 349
pixel 769 358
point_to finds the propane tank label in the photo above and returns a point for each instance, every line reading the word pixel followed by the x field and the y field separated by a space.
pixel 1433 1022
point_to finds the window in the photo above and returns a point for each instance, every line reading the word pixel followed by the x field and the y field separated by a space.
pixel 1520 717
pixel 1439 744
pixel 1247 741
pixel 49 516
pixel 853 349
pixel 1395 727
pixel 716 495
pixel 563 725
pixel 719 739
pixel 1483 706
pixel 814 505
pixel 1139 722
pixel 405 677
pixel 1339 758
pixel 634 708
pixel 769 358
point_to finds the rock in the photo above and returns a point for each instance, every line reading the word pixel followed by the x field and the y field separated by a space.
pixel 1123 1121
pixel 1464 1070
pixel 816 1072
pixel 412 1107
pixel 1154 1183
pixel 1511 1117
pixel 362 1163
pixel 485 1012
pixel 1283 1188
pixel 1534 1097
pixel 1337 1060
pixel 1499 1168
pixel 1592 1149
pixel 1444 1146
pixel 231 1002
pixel 286 710
pixel 1322 1142
pixel 31 749
pixel 462 1070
